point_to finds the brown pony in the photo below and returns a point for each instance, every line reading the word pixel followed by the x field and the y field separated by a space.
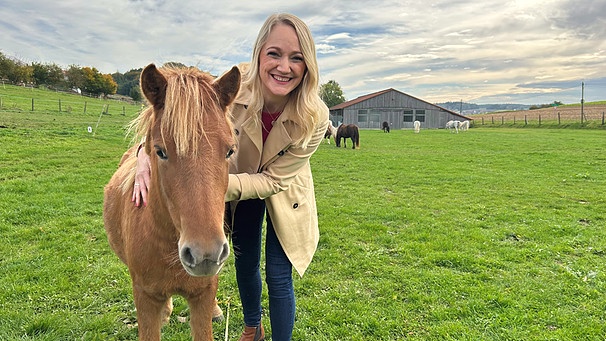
pixel 176 243
pixel 348 131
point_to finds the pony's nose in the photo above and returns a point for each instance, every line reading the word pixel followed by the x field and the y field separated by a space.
pixel 203 262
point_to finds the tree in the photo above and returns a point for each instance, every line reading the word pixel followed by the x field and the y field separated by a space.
pixel 331 93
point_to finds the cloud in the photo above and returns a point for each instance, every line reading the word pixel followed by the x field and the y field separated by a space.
pixel 517 51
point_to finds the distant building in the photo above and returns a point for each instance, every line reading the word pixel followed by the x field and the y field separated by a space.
pixel 395 107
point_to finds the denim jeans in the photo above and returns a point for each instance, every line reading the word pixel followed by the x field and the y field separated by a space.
pixel 246 240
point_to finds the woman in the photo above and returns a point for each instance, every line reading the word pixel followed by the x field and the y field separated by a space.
pixel 279 121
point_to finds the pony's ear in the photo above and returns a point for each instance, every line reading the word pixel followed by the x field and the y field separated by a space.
pixel 227 86
pixel 153 85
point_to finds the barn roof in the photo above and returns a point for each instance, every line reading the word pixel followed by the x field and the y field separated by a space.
pixel 378 93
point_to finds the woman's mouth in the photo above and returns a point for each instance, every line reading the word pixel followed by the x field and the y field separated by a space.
pixel 280 78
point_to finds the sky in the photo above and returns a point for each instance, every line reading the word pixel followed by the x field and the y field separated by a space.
pixel 483 52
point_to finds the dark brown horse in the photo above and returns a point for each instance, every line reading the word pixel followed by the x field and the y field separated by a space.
pixel 176 244
pixel 348 131
pixel 385 127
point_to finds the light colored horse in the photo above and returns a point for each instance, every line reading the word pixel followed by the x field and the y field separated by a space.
pixel 417 126
pixel 331 131
pixel 176 244
pixel 464 126
pixel 450 125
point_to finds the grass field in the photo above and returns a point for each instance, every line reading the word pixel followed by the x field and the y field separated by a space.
pixel 492 234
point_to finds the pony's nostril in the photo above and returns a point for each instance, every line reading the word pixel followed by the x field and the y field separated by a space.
pixel 187 256
pixel 224 253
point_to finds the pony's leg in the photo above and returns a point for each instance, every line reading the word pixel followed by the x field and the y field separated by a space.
pixel 167 310
pixel 200 318
pixel 149 314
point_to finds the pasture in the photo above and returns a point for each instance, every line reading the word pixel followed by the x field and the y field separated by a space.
pixel 490 234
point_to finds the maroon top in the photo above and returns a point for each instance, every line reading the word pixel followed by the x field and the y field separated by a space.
pixel 267 120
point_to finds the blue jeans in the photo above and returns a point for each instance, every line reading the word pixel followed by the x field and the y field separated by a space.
pixel 246 240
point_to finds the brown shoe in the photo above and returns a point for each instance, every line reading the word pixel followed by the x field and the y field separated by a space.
pixel 253 334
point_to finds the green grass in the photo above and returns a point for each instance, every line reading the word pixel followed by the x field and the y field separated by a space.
pixel 492 234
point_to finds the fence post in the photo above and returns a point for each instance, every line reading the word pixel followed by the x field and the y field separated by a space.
pixel 539 120
pixel 85 107
pixel 32 104
pixel 123 111
pixel 602 114
pixel 492 118
pixel 525 119
pixel 558 118
pixel 482 120
pixel 59 104
pixel 502 120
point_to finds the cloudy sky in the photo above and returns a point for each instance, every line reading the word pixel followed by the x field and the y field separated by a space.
pixel 491 51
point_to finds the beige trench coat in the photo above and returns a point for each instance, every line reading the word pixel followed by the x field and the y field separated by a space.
pixel 279 173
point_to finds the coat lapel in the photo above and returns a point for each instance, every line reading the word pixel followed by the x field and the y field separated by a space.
pixel 277 141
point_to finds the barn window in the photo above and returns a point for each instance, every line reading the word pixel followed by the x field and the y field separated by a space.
pixel 420 115
pixel 407 114
pixel 362 115
pixel 375 116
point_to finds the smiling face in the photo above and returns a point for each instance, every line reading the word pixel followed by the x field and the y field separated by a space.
pixel 281 66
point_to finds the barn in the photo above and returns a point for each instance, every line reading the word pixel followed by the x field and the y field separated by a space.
pixel 395 107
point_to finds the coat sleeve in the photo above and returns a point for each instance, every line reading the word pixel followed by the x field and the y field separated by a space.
pixel 278 175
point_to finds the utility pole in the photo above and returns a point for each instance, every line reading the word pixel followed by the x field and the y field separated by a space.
pixel 461 107
pixel 582 99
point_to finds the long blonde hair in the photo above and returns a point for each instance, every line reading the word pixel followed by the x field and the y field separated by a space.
pixel 304 100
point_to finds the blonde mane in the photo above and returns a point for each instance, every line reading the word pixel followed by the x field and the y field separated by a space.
pixel 189 97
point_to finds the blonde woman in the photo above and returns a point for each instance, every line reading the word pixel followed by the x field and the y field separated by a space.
pixel 279 121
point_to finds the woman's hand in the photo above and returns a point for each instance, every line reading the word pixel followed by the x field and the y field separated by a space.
pixel 142 179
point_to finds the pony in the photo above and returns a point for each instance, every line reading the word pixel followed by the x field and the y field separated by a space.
pixel 464 126
pixel 348 131
pixel 417 126
pixel 450 125
pixel 385 127
pixel 331 131
pixel 176 244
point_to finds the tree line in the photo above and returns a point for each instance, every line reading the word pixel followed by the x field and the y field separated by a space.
pixel 90 81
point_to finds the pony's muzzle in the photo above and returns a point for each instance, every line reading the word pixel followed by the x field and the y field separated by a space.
pixel 198 261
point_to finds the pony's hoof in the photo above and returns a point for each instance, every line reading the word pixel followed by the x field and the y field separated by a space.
pixel 217 313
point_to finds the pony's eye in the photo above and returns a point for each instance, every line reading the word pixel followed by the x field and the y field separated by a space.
pixel 161 154
pixel 230 152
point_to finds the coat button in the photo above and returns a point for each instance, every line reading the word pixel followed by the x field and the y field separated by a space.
pixel 237 132
pixel 295 205
pixel 281 153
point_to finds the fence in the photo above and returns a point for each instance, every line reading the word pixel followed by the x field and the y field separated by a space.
pixel 591 117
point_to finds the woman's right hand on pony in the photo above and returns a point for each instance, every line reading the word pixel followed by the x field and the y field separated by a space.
pixel 142 179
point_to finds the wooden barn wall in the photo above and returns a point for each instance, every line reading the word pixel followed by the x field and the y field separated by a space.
pixel 390 107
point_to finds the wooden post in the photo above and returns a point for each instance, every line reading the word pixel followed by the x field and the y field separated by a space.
pixel 492 118
pixel 32 104
pixel 85 107
pixel 539 120
pixel 525 119
pixel 59 104
pixel 558 118
pixel 123 111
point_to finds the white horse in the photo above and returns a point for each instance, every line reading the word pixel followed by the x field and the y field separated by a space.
pixel 464 126
pixel 330 132
pixel 450 125
pixel 417 125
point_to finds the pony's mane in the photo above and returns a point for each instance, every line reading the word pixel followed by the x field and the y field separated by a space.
pixel 189 96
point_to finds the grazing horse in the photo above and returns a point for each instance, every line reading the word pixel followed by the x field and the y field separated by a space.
pixel 385 127
pixel 450 125
pixel 331 131
pixel 348 131
pixel 417 126
pixel 464 126
pixel 176 243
